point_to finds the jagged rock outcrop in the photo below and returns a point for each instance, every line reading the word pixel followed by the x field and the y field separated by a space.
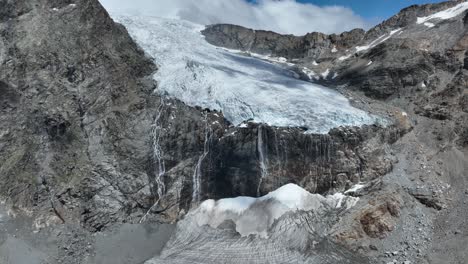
pixel 76 112
pixel 314 45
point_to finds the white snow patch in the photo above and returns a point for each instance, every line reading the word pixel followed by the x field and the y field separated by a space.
pixel 54 9
pixel 241 87
pixel 394 31
pixel 72 5
pixel 325 73
pixel 281 59
pixel 369 63
pixel 315 63
pixel 355 188
pixel 243 125
pixel 334 49
pixel 237 205
pixel 275 204
pixel 423 85
pixel 445 14
pixel 429 25
pixel 310 73
pixel 378 41
pixel 335 75
pixel 342 58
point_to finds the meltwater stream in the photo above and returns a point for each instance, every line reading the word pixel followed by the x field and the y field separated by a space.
pixel 243 88
pixel 197 174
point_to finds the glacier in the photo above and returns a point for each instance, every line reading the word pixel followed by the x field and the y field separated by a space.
pixel 242 87
pixel 288 225
pixel 249 220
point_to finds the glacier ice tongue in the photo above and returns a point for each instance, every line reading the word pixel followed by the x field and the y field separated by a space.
pixel 242 87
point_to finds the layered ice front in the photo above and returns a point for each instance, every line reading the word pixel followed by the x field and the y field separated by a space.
pixel 243 88
pixel 288 225
pixel 256 215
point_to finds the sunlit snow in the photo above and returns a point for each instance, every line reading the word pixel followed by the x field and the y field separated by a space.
pixel 377 41
pixel 445 14
pixel 429 25
pixel 355 188
pixel 325 73
pixel 242 87
pixel 255 215
pixel 342 58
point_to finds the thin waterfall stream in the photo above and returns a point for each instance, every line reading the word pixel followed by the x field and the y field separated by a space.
pixel 197 174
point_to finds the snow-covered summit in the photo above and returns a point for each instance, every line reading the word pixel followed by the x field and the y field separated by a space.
pixel 243 88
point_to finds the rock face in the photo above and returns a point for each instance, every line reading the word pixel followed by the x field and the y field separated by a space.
pixel 258 159
pixel 271 43
pixel 81 127
pixel 75 111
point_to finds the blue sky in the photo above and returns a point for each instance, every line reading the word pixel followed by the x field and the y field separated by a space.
pixel 372 10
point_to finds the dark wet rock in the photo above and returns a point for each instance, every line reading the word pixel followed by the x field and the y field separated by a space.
pixel 234 166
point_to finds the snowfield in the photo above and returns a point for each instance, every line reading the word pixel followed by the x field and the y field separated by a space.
pixel 242 87
pixel 378 41
pixel 443 15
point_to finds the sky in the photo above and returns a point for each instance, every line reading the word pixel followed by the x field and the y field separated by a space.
pixel 377 10
pixel 296 17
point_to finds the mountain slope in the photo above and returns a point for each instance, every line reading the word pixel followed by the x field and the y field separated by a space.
pixel 415 61
pixel 89 140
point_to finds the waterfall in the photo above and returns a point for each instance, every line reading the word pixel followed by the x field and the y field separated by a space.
pixel 197 174
pixel 157 151
pixel 160 169
pixel 281 159
pixel 262 157
pixel 279 169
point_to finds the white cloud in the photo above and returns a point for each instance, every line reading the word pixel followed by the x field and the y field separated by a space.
pixel 283 16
